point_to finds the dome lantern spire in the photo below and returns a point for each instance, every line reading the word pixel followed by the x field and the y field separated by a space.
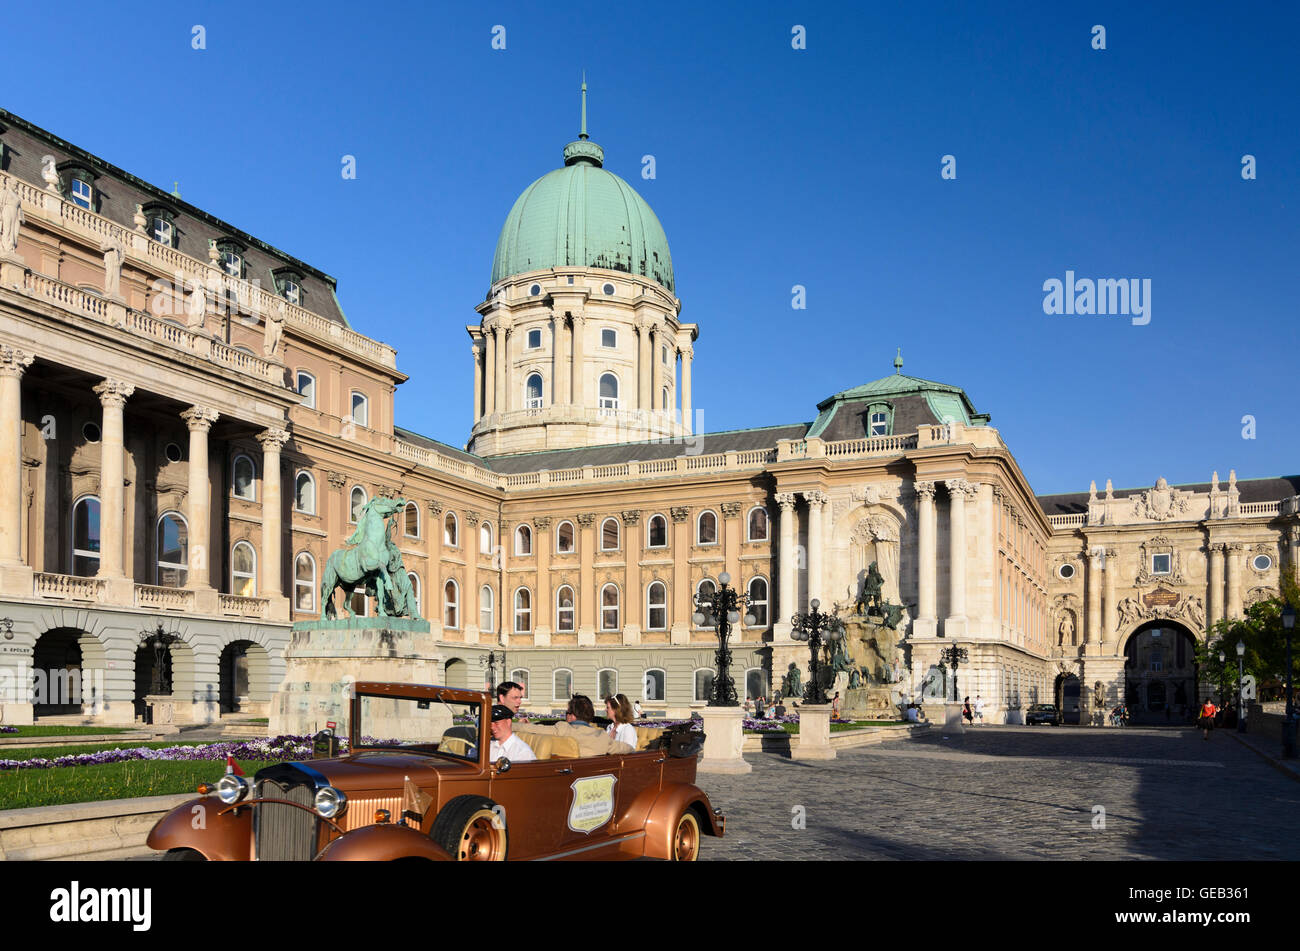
pixel 582 151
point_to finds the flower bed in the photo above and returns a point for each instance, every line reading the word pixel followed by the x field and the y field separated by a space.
pixel 277 749
pixel 8 729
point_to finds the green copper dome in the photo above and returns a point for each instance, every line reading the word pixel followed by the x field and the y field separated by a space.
pixel 582 216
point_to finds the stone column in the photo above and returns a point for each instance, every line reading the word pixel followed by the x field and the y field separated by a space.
pixel 958 491
pixel 1214 599
pixel 1236 554
pixel 588 597
pixel 785 606
pixel 927 582
pixel 13 363
pixel 434 580
pixel 687 418
pixel 499 374
pixel 476 351
pixel 558 392
pixel 490 368
pixel 656 371
pixel 511 395
pixel 578 378
pixel 469 603
pixel 683 598
pixel 1110 614
pixel 1092 630
pixel 199 419
pixel 815 499
pixel 635 609
pixel 272 441
pixel 544 609
pixel 643 364
pixel 113 395
pixel 563 361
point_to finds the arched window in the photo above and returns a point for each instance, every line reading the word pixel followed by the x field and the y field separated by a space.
pixel 608 392
pixel 304 582
pixel 485 538
pixel 412 520
pixel 704 592
pixel 757 524
pixel 415 590
pixel 533 392
pixel 658 532
pixel 609 535
pixel 562 684
pixel 653 685
pixel 173 551
pixel 451 605
pixel 706 529
pixel 357 502
pixel 656 608
pixel 758 601
pixel 451 531
pixel 564 538
pixel 487 620
pixel 85 536
pixel 756 683
pixel 243 570
pixel 304 493
pixel 523 611
pixel 606 684
pixel 609 608
pixel 520 676
pixel 703 685
pixel 242 478
pixel 523 540
pixel 664 403
pixel 564 610
pixel 307 389
pixel 360 409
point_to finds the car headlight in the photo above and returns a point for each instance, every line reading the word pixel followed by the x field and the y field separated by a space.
pixel 330 802
pixel 232 788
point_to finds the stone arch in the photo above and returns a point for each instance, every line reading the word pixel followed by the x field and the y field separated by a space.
pixel 456 672
pixel 1161 680
pixel 244 675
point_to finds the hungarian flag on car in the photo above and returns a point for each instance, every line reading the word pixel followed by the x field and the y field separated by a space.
pixel 232 766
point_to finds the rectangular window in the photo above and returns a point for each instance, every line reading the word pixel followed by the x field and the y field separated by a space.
pixel 82 193
pixel 232 264
pixel 292 292
pixel 608 338
pixel 161 230
pixel 879 424
pixel 1160 564
pixel 534 339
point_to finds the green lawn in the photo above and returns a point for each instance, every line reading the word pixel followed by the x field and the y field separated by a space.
pixel 22 788
pixel 38 730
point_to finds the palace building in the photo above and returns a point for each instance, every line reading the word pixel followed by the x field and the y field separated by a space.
pixel 189 425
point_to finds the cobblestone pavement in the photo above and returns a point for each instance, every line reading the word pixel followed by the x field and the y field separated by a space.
pixel 1014 793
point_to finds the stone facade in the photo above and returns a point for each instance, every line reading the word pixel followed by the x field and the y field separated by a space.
pixel 181 449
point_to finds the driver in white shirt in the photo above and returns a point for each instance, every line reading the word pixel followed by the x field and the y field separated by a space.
pixel 504 741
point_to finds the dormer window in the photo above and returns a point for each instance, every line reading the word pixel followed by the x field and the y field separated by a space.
pixel 162 223
pixel 880 419
pixel 289 285
pixel 231 258
pixel 81 186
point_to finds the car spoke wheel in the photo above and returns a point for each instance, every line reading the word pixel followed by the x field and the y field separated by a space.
pixel 686 840
pixel 470 829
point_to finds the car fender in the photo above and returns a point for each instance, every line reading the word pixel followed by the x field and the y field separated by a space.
pixel 383 843
pixel 201 824
pixel 661 820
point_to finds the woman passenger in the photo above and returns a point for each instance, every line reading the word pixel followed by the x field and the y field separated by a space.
pixel 619 709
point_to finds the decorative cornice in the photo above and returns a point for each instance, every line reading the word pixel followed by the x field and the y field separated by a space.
pixel 116 393
pixel 199 418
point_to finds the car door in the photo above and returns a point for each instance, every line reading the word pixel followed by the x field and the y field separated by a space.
pixel 591 790
pixel 535 798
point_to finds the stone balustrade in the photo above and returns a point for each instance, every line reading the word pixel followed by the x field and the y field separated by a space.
pixel 45 206
pixel 1256 509
pixel 1068 521
pixel 243 607
pixel 155 598
pixel 67 587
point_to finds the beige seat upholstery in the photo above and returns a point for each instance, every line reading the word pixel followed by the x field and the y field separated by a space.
pixel 645 735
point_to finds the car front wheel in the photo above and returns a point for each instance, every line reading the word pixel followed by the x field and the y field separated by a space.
pixel 686 838
pixel 470 829
pixel 183 855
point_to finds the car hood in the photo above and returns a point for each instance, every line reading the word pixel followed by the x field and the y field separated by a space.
pixel 369 770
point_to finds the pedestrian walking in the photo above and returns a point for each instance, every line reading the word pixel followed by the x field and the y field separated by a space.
pixel 1208 710
pixel 967 712
pixel 979 709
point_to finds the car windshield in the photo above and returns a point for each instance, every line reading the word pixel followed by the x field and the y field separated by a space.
pixel 1044 707
pixel 420 724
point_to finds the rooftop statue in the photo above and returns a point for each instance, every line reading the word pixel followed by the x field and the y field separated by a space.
pixel 374 563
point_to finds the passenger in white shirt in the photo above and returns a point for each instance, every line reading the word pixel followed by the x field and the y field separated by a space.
pixel 619 709
pixel 504 741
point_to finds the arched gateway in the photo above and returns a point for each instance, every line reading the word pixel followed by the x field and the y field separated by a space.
pixel 1160 673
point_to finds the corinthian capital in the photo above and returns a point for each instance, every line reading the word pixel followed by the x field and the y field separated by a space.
pixel 816 497
pixel 730 509
pixel 586 518
pixel 924 490
pixel 962 487
pixel 435 507
pixel 785 500
pixel 114 392
pixel 199 418
pixel 14 362
pixel 272 440
pixel 631 516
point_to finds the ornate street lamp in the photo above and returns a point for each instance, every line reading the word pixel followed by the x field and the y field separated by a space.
pixel 1223 671
pixel 813 627
pixel 720 611
pixel 1288 727
pixel 490 662
pixel 160 641
pixel 1241 694
pixel 954 656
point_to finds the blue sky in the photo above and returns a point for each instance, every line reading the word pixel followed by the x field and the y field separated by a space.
pixel 775 167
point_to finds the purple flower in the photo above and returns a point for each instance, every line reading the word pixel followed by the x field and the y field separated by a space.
pixel 8 729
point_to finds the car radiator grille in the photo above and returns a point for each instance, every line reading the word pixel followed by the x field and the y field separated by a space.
pixel 361 812
pixel 284 833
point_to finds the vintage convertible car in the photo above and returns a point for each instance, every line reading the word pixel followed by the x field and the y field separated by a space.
pixel 417 784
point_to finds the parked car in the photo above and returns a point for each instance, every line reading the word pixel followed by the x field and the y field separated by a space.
pixel 1042 713
pixel 416 783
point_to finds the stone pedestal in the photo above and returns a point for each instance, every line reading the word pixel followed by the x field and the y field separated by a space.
pixel 952 721
pixel 814 733
pixel 13 271
pixel 325 656
pixel 724 737
pixel 160 710
pixel 16 580
pixel 16 714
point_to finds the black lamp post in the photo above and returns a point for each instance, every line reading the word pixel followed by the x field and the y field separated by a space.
pixel 491 661
pixel 720 611
pixel 1223 674
pixel 813 627
pixel 954 656
pixel 1288 727
pixel 1241 693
